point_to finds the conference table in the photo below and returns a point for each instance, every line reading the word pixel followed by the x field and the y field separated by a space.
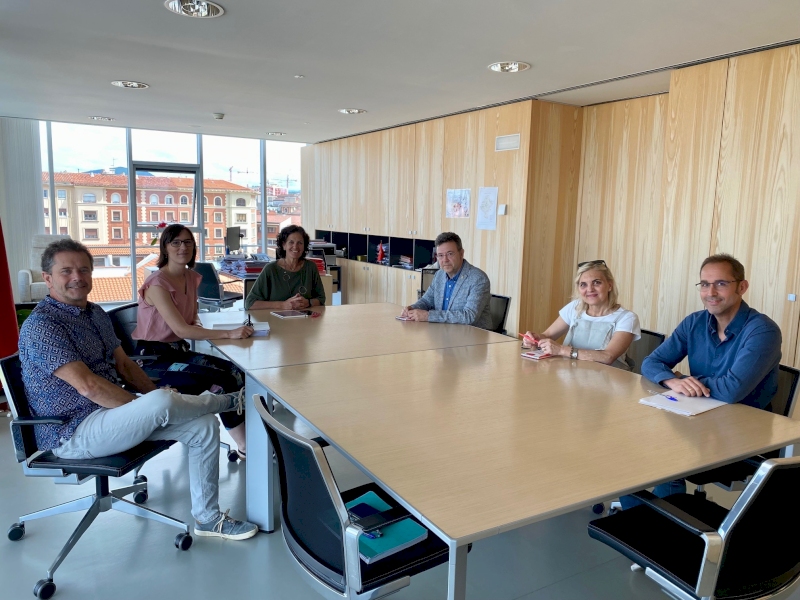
pixel 474 440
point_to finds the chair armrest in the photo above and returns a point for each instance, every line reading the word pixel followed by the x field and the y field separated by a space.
pixel 143 356
pixel 322 443
pixel 38 421
pixel 24 281
pixel 381 519
pixel 674 514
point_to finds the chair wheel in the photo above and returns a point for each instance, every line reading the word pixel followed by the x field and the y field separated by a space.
pixel 183 541
pixel 598 508
pixel 140 497
pixel 16 532
pixel 44 589
pixel 140 479
pixel 233 456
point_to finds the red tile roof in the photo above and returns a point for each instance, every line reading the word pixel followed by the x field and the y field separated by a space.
pixel 145 183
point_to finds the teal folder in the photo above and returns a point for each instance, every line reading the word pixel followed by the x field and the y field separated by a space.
pixel 396 537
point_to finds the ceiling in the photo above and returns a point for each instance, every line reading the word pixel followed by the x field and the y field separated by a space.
pixel 402 60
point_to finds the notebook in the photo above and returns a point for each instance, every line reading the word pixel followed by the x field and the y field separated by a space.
pixel 258 326
pixel 291 314
pixel 394 538
pixel 536 355
pixel 680 404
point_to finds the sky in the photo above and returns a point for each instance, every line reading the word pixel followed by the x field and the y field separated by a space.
pixel 88 147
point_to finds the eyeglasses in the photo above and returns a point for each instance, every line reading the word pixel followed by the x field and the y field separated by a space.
pixel 450 255
pixel 177 243
pixel 592 262
pixel 720 285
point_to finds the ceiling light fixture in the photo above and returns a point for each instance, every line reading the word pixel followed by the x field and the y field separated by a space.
pixel 130 85
pixel 200 9
pixel 509 67
pixel 352 111
pixel 276 133
pixel 99 118
pixel 299 76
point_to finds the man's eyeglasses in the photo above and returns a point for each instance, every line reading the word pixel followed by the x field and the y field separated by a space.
pixel 177 243
pixel 720 285
pixel 449 255
pixel 592 262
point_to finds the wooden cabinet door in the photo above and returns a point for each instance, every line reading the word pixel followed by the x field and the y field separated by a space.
pixel 411 287
pixel 308 184
pixel 377 182
pixel 400 166
pixel 376 283
pixel 344 266
pixel 356 282
pixel 322 163
pixel 429 169
pixel 356 176
pixel 396 286
pixel 340 194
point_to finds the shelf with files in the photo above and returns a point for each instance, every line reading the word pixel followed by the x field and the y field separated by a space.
pixel 374 253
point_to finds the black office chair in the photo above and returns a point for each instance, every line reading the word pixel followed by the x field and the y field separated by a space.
pixel 46 464
pixel 498 307
pixel 694 548
pixel 211 291
pixel 733 477
pixel 425 280
pixel 643 347
pixel 319 533
pixel 124 319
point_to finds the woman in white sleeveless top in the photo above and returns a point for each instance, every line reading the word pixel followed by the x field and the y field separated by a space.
pixel 597 327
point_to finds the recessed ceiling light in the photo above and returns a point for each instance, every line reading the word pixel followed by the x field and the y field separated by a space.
pixel 200 9
pixel 99 118
pixel 299 76
pixel 130 85
pixel 276 133
pixel 509 67
pixel 352 111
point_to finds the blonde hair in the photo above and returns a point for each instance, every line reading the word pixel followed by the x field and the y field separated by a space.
pixel 609 277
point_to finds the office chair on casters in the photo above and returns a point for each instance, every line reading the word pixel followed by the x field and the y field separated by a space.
pixel 319 533
pixel 694 548
pixel 643 347
pixel 124 319
pixel 211 291
pixel 38 463
pixel 498 307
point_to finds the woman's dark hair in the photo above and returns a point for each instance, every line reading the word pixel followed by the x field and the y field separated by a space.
pixel 280 252
pixel 170 233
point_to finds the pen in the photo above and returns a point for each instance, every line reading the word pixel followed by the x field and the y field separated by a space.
pixel 527 337
pixel 673 398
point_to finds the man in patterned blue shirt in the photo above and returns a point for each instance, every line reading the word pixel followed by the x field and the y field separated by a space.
pixel 72 364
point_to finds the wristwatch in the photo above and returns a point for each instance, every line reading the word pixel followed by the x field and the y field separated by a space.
pixel 573 354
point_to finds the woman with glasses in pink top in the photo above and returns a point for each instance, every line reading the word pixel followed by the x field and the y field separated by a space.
pixel 168 317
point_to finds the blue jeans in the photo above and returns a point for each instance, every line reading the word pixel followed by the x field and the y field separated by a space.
pixel 662 491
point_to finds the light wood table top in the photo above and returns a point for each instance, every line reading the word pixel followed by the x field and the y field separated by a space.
pixel 342 332
pixel 477 440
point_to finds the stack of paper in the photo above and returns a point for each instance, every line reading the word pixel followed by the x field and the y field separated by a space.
pixel 257 325
pixel 536 355
pixel 680 404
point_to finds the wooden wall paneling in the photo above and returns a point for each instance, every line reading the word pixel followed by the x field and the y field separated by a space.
pixel 428 184
pixel 691 158
pixel 757 209
pixel 323 185
pixel 377 189
pixel 340 210
pixel 356 176
pixel 620 196
pixel 548 252
pixel 356 282
pixel 401 183
pixel 344 286
pixel 460 161
pixel 395 285
pixel 377 283
pixel 411 287
pixel 334 154
pixel 307 184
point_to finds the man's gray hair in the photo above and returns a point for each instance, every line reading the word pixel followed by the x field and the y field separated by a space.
pixel 448 236
pixel 49 254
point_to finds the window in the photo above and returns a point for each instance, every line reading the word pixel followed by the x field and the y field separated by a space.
pixel 205 217
pixel 184 216
pixel 116 215
pixel 90 234
pixel 89 198
pixel 205 231
pixel 99 261
pixel 116 261
pixel 116 198
pixel 217 201
pixel 272 229
pixel 243 232
pixel 241 202
pixel 90 215
pixel 63 231
pixel 62 194
pixel 153 199
pixel 184 200
pixel 47 230
pixel 272 242
pixel 241 218
pixel 170 217
pixel 218 217
pixel 116 233
pixel 62 212
pixel 154 216
pixel 218 233
pixel 46 212
pixel 168 200
pixel 46 193
pixel 205 200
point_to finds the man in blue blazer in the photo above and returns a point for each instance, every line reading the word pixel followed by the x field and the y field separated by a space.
pixel 459 292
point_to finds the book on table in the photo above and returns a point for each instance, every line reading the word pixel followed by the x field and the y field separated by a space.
pixel 256 325
pixel 536 355
pixel 687 406
pixel 393 538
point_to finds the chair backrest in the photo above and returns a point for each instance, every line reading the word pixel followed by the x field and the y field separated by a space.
pixel 498 307
pixel 24 438
pixel 311 507
pixel 124 319
pixel 210 285
pixel 643 347
pixel 427 278
pixel 760 533
pixel 784 399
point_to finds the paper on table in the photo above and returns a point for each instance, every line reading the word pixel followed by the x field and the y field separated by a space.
pixel 682 405
pixel 258 326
